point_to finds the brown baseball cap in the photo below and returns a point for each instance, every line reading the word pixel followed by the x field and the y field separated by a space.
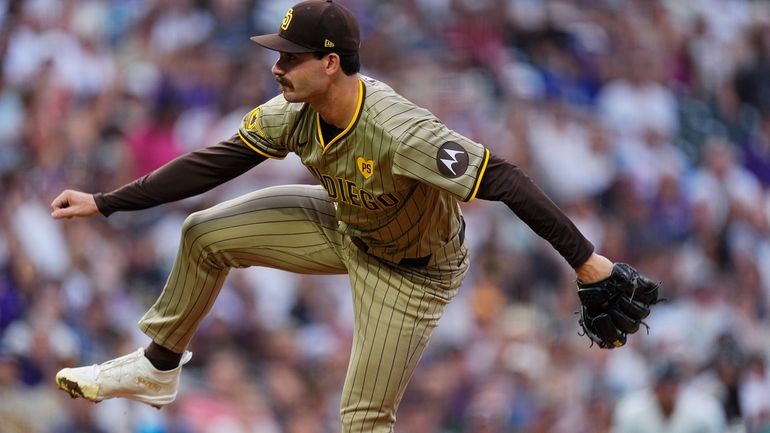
pixel 314 26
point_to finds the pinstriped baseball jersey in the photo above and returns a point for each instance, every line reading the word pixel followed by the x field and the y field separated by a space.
pixel 395 173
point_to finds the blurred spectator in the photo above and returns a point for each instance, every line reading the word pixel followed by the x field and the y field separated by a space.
pixel 751 79
pixel 668 407
pixel 565 147
pixel 231 401
pixel 620 100
pixel 152 142
pixel 755 395
pixel 21 401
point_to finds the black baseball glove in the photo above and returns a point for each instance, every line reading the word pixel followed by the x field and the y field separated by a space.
pixel 615 306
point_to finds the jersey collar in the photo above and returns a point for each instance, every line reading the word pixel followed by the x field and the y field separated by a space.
pixel 359 108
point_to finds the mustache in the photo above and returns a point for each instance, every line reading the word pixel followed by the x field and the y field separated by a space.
pixel 282 81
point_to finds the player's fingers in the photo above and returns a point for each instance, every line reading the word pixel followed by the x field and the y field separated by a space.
pixel 623 322
pixel 609 334
pixel 634 309
pixel 647 291
pixel 61 200
pixel 66 212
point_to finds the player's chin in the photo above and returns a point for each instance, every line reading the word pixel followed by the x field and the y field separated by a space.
pixel 290 96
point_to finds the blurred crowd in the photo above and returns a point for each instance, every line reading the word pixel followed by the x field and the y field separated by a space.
pixel 648 122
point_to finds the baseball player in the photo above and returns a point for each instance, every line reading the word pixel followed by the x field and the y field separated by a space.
pixel 385 211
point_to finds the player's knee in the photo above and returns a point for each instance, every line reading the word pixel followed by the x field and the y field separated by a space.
pixel 199 240
pixel 194 226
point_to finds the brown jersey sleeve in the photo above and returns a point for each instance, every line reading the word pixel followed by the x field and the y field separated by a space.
pixel 507 183
pixel 188 175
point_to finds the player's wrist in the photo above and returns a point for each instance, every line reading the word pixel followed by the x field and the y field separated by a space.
pixel 596 268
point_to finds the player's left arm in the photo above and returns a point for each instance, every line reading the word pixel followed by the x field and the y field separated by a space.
pixel 615 298
pixel 505 182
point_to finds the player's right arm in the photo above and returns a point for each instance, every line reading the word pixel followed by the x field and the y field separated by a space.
pixel 188 175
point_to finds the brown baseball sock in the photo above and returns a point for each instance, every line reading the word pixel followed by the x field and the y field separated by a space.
pixel 162 358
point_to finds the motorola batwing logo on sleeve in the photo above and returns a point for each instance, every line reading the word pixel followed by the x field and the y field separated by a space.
pixel 452 160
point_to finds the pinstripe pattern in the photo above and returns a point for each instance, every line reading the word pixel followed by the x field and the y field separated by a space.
pixel 287 227
pixel 383 185
pixel 396 310
pixel 293 228
pixel 407 208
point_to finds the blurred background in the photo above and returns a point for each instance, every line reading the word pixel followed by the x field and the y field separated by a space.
pixel 648 121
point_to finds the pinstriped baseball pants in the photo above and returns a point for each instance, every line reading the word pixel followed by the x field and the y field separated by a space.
pixel 294 228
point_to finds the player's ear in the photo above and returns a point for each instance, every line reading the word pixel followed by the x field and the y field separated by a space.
pixel 332 63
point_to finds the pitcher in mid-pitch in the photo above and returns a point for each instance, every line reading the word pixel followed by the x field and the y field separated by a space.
pixel 385 212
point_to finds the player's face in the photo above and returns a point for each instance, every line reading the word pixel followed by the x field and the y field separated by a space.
pixel 300 76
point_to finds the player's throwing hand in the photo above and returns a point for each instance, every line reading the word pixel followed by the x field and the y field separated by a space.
pixel 71 203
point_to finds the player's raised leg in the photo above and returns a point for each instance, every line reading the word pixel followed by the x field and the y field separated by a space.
pixel 287 227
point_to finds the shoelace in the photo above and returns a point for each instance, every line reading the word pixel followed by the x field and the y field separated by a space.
pixel 116 367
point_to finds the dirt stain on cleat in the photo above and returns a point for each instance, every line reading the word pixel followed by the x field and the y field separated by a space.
pixel 71 387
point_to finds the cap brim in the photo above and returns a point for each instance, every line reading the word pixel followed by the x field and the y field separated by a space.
pixel 277 43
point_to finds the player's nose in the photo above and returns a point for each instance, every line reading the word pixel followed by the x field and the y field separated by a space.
pixel 277 70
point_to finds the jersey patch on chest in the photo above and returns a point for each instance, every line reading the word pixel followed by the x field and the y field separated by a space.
pixel 452 160
pixel 366 167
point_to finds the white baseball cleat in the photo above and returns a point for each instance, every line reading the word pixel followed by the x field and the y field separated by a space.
pixel 131 376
